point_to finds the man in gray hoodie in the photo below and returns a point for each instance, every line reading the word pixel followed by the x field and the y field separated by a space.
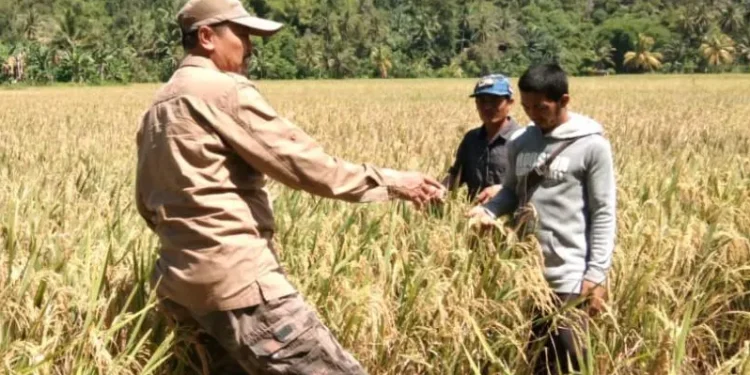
pixel 572 205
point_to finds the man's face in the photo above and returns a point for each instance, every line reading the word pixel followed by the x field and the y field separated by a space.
pixel 230 47
pixel 545 113
pixel 493 109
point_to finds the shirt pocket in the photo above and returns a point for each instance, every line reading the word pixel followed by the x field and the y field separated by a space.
pixel 498 164
pixel 550 249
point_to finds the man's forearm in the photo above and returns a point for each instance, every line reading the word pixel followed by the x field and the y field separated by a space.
pixel 505 202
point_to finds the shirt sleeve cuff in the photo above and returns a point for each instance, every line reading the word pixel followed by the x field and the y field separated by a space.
pixel 489 213
pixel 595 275
pixel 378 194
pixel 386 179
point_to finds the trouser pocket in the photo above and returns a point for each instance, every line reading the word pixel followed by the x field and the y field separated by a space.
pixel 282 334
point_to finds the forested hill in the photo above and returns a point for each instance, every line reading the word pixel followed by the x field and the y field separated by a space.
pixel 138 40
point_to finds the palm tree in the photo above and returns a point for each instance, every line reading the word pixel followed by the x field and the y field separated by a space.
pixel 718 49
pixel 31 13
pixel 743 47
pixel 643 58
pixel 696 19
pixel 381 56
pixel 340 59
pixel 310 55
pixel 541 46
pixel 378 27
pixel 483 21
pixel 603 56
pixel 732 18
pixel 353 26
pixel 744 51
pixel 70 33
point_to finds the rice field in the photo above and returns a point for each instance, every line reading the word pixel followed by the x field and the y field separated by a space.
pixel 405 291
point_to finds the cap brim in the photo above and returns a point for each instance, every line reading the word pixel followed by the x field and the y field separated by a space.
pixel 258 26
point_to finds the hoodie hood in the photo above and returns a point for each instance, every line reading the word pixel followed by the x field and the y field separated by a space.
pixel 577 126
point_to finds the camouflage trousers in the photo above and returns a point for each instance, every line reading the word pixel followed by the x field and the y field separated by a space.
pixel 283 336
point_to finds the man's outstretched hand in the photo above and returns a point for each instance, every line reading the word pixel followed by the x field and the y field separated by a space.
pixel 419 189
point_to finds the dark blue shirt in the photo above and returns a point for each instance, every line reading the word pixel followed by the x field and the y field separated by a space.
pixel 480 162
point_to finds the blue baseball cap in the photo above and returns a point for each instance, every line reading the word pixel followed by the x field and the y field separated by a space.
pixel 493 84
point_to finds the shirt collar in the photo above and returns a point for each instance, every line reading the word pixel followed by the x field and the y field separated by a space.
pixel 504 133
pixel 198 61
pixel 507 130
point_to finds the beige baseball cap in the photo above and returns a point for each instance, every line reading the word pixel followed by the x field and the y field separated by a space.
pixel 197 13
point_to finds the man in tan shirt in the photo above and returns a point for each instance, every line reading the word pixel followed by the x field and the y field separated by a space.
pixel 205 147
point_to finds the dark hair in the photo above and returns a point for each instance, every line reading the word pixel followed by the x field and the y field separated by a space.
pixel 189 40
pixel 549 79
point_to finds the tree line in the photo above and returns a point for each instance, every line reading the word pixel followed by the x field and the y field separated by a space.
pixel 93 41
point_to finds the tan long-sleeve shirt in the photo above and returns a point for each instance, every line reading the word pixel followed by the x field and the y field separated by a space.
pixel 205 147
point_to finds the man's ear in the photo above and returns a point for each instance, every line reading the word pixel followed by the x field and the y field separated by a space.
pixel 206 38
pixel 564 100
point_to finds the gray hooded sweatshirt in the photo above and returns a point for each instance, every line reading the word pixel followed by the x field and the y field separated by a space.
pixel 575 202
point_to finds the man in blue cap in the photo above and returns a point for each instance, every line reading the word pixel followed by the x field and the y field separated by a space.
pixel 481 160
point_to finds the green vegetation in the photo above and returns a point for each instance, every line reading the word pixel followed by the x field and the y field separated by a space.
pixel 138 40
